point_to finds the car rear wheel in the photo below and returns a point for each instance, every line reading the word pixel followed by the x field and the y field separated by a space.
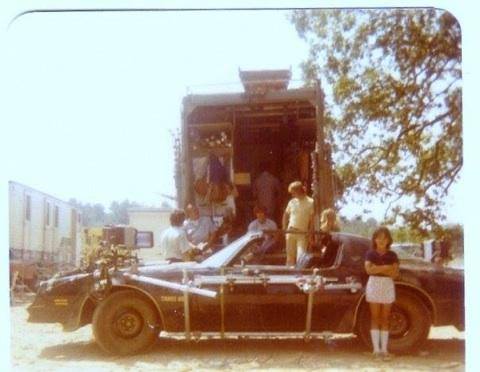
pixel 410 323
pixel 125 323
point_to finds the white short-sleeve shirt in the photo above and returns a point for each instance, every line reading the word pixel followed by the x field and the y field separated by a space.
pixel 173 243
pixel 300 211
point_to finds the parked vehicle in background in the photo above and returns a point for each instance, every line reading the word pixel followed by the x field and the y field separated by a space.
pixel 408 250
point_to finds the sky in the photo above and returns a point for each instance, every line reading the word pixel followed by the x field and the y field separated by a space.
pixel 91 99
pixel 95 97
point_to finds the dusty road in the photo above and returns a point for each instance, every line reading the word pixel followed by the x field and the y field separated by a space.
pixel 44 347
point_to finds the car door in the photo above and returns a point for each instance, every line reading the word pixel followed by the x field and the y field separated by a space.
pixel 259 297
pixel 264 299
pixel 343 281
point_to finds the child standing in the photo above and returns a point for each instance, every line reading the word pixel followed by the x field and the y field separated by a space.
pixel 381 264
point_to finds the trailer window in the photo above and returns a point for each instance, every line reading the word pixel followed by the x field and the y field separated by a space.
pixel 28 208
pixel 56 216
pixel 47 214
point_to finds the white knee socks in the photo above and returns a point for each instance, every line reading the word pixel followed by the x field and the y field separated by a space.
pixel 383 340
pixel 375 334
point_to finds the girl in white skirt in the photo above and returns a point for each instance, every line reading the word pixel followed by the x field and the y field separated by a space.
pixel 381 264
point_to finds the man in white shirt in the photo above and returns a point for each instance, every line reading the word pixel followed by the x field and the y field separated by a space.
pixel 298 216
pixel 199 229
pixel 174 245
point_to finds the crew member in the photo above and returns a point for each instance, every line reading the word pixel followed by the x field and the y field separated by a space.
pixel 328 221
pixel 381 264
pixel 174 245
pixel 199 229
pixel 266 189
pixel 298 220
pixel 261 223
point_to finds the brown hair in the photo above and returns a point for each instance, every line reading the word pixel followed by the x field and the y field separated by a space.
pixel 177 217
pixel 382 230
pixel 258 209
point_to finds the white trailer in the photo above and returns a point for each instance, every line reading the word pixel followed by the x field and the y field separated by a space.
pixel 43 228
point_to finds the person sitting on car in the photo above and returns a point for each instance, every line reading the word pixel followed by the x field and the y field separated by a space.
pixel 328 221
pixel 199 229
pixel 174 245
pixel 261 223
pixel 323 251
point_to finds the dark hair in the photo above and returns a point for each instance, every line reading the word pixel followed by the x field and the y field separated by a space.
pixel 258 209
pixel 177 217
pixel 382 230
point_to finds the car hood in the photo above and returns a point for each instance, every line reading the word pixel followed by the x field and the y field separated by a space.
pixel 164 267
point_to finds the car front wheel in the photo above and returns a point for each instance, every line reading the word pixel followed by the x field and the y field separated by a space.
pixel 125 323
pixel 410 323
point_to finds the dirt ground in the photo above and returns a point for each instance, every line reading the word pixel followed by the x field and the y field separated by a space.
pixel 44 347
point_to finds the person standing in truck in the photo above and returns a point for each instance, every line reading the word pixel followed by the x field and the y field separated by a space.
pixel 298 221
pixel 266 189
pixel 381 264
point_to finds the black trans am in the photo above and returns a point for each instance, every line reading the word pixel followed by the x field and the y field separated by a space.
pixel 245 290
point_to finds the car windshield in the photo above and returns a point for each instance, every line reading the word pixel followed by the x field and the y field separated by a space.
pixel 224 256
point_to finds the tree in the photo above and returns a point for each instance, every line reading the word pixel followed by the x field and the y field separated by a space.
pixel 119 211
pixel 357 226
pixel 393 97
pixel 95 215
pixel 92 215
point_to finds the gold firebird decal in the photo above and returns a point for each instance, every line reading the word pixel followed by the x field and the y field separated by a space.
pixel 171 298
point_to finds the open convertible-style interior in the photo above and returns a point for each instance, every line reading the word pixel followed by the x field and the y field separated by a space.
pixel 270 251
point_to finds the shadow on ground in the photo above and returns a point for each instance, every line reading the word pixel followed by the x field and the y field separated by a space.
pixel 443 353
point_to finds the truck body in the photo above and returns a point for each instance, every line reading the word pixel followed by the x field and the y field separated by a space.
pixel 267 123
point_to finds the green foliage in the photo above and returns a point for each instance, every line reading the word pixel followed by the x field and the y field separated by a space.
pixel 405 235
pixel 357 226
pixel 95 215
pixel 119 211
pixel 92 214
pixel 393 105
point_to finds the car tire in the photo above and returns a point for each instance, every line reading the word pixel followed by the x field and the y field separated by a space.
pixel 125 323
pixel 410 323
